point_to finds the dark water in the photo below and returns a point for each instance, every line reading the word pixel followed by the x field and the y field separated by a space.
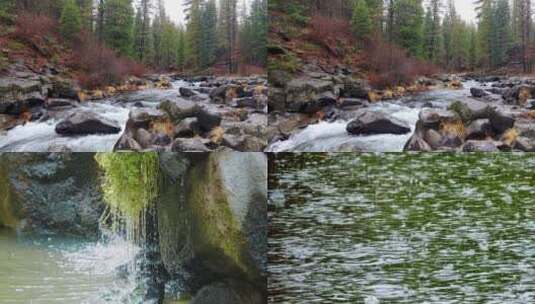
pixel 402 228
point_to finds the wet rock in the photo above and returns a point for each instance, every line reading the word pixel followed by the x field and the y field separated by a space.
pixel 143 117
pixel 127 143
pixel 433 138
pixel 309 95
pixel 278 78
pixel 519 94
pixel 208 120
pixel 144 137
pixel 85 123
pixel 187 92
pixel 60 104
pixel 19 95
pixel 416 143
pixel 7 122
pixel 479 129
pixel 188 127
pixel 470 110
pixel 189 145
pixel 179 109
pixel 501 121
pixel 370 123
pixel 525 144
pixel 72 180
pixel 478 92
pixel 246 102
pixel 480 146
pixel 229 292
pixel 432 118
pixel 161 139
pixel 355 88
pixel 63 88
pixel 352 102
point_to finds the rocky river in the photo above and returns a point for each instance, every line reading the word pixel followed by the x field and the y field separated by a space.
pixel 333 112
pixel 402 228
pixel 44 111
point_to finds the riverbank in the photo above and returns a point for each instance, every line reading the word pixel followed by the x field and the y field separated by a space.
pixel 43 111
pixel 322 111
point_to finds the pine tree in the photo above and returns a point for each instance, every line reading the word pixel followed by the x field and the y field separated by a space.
pixel 501 33
pixel 407 29
pixel 361 22
pixel 208 39
pixel 194 34
pixel 229 33
pixel 70 21
pixel 118 26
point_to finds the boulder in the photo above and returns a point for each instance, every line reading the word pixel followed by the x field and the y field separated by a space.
pixel 355 88
pixel 352 102
pixel 479 129
pixel 478 92
pixel 187 92
pixel 276 100
pixel 85 123
pixel 309 95
pixel 525 144
pixel 144 117
pixel 188 127
pixel 432 118
pixel 29 181
pixel 179 109
pixel 19 95
pixel 189 145
pixel 471 109
pixel 417 144
pixel 519 94
pixel 59 103
pixel 206 121
pixel 480 146
pixel 369 123
pixel 63 88
pixel 434 139
pixel 144 137
pixel 501 121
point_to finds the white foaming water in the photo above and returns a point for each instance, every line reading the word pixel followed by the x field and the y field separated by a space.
pixel 333 137
pixel 42 137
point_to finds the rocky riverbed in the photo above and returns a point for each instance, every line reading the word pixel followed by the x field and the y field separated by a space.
pixel 333 111
pixel 43 111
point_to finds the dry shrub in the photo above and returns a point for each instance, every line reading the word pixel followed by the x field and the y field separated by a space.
pixel 455 128
pixel 163 127
pixel 101 66
pixel 29 26
pixel 510 136
pixel 327 32
pixel 391 66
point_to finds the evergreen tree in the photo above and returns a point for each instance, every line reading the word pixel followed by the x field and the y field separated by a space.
pixel 407 29
pixel 118 26
pixel 361 22
pixel 208 39
pixel 501 33
pixel 70 21
pixel 229 33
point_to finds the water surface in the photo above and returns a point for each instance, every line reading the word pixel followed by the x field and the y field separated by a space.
pixel 402 228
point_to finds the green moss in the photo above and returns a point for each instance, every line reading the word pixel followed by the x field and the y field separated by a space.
pixel 9 206
pixel 131 180
pixel 218 227
pixel 462 110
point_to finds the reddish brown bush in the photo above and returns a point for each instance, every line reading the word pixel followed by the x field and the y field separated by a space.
pixel 326 31
pixel 391 66
pixel 100 65
pixel 33 26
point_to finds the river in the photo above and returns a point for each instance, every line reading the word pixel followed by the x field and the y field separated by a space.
pixel 55 270
pixel 333 137
pixel 40 136
pixel 402 228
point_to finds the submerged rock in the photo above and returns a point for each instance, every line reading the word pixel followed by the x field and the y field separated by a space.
pixel 85 123
pixel 369 123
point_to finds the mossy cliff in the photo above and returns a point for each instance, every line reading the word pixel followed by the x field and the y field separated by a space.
pixel 50 193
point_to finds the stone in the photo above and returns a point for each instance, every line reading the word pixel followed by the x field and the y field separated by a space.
pixel 85 123
pixel 433 138
pixel 189 145
pixel 480 146
pixel 63 88
pixel 59 103
pixel 501 121
pixel 479 129
pixel 188 127
pixel 369 123
pixel 471 109
pixel 144 137
pixel 179 109
pixel 187 92
pixel 432 118
pixel 417 144
pixel 143 117
pixel 208 120
pixel 525 144
pixel 478 92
